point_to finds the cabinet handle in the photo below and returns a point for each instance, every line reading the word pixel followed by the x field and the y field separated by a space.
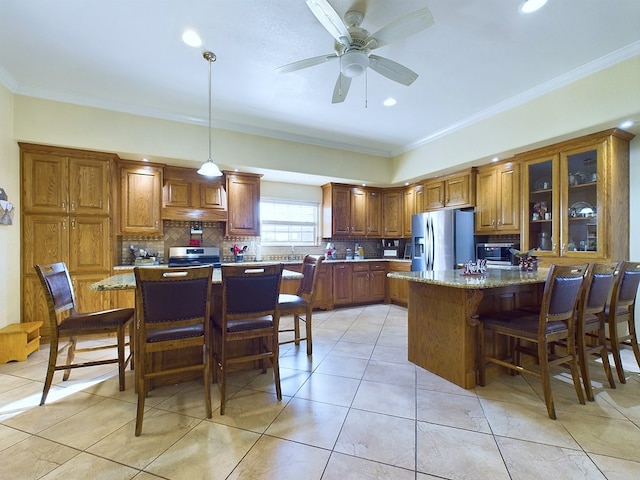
pixel 64 205
pixel 499 222
pixel 73 206
pixel 73 224
pixel 64 224
pixel 493 222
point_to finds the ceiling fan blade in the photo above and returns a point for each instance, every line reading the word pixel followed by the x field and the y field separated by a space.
pixel 402 28
pixel 392 70
pixel 306 63
pixel 330 20
pixel 341 89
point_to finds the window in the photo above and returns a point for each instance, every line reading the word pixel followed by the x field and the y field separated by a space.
pixel 288 222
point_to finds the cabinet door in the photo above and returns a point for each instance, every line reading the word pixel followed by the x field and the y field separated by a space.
pixel 541 183
pixel 457 191
pixel 89 244
pixel 213 196
pixel 88 300
pixel 34 303
pixel 392 214
pixel 374 213
pixel 433 195
pixel 244 205
pixel 324 288
pixel 340 210
pixel 45 240
pixel 176 193
pixel 583 230
pixel 140 199
pixel 486 193
pixel 89 186
pixel 360 291
pixel 342 283
pixel 358 217
pixel 377 283
pixel 508 198
pixel 408 206
pixel 44 180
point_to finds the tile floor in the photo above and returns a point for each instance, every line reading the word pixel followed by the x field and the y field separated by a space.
pixel 356 410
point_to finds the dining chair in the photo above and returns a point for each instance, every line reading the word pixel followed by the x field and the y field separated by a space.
pixel 553 323
pixel 66 321
pixel 173 306
pixel 300 305
pixel 591 321
pixel 249 314
pixel 621 310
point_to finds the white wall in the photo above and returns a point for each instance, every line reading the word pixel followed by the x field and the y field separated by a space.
pixel 9 234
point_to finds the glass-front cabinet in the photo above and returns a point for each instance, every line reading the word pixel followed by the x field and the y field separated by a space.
pixel 577 199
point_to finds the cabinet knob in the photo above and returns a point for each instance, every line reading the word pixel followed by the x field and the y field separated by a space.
pixel 64 205
pixel 73 206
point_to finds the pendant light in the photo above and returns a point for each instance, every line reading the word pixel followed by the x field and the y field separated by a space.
pixel 208 168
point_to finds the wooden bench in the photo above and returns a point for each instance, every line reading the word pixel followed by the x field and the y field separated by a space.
pixel 18 340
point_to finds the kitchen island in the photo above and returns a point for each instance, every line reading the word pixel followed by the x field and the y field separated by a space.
pixel 443 312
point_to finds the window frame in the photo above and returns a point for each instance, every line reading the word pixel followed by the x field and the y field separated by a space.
pixel 317 227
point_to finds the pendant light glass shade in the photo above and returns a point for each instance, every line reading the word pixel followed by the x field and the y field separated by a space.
pixel 208 168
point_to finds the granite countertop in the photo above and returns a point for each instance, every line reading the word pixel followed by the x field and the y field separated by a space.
pixel 127 281
pixel 494 278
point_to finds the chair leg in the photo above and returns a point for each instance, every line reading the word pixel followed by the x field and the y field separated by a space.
pixel 634 338
pixel 584 368
pixel 132 348
pixel 296 329
pixel 573 364
pixel 142 393
pixel 223 376
pixel 51 368
pixel 307 322
pixel 276 366
pixel 604 354
pixel 206 382
pixel 545 376
pixel 614 344
pixel 121 358
pixel 70 354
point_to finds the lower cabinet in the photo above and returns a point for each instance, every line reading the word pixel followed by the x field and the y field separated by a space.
pixel 369 280
pixel 342 283
pixel 398 291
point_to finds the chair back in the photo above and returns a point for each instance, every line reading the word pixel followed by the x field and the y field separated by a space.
pixel 599 280
pixel 310 272
pixel 250 292
pixel 561 291
pixel 626 286
pixel 172 298
pixel 58 288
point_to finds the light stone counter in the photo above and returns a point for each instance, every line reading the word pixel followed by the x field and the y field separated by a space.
pixel 454 278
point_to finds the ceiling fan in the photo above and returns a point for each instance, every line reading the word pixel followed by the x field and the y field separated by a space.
pixel 353 46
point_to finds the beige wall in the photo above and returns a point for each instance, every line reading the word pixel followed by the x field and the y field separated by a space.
pixel 9 234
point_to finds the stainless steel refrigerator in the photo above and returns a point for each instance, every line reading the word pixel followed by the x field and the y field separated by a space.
pixel 441 239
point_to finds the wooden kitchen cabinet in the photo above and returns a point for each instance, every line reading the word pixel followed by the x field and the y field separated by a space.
pixel 369 280
pixel 374 213
pixel 398 289
pixel 243 192
pixel 456 190
pixel 413 200
pixel 351 211
pixel 342 283
pixel 67 199
pixel 392 202
pixel 498 199
pixel 65 181
pixel 434 195
pixel 140 198
pixel 187 196
pixel 576 197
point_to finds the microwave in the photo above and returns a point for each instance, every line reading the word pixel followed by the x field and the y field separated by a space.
pixel 495 253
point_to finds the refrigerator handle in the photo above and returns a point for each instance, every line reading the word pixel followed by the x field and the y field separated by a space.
pixel 430 243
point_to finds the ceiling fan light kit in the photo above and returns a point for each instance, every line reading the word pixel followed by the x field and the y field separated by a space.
pixel 209 168
pixel 353 46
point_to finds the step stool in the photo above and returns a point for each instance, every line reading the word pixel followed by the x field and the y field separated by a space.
pixel 18 340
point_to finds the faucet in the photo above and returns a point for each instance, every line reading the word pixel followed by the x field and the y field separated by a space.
pixel 292 255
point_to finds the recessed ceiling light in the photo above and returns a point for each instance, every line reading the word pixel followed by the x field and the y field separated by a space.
pixel 406 184
pixel 191 38
pixel 145 159
pixel 530 6
pixel 626 124
pixel 495 159
pixel 390 102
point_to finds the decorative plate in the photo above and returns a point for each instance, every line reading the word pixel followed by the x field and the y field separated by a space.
pixel 582 209
pixel 540 183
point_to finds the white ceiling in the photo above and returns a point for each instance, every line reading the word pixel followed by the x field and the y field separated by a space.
pixel 479 57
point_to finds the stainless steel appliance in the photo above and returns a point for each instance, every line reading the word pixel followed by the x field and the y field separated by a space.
pixel 441 239
pixel 495 253
pixel 194 256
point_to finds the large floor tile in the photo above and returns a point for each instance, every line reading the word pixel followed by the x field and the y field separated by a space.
pixel 34 457
pixel 459 411
pixel 329 389
pixel 346 467
pixel 385 398
pixel 86 465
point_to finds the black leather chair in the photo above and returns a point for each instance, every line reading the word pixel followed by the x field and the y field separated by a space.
pixel 61 301
pixel 621 309
pixel 173 306
pixel 301 304
pixel 250 315
pixel 555 322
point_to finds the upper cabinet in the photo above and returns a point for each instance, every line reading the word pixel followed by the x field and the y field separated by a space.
pixel 65 181
pixel 457 190
pixel 392 200
pixel 140 198
pixel 576 199
pixel 498 199
pixel 189 196
pixel 412 203
pixel 243 192
pixel 351 211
